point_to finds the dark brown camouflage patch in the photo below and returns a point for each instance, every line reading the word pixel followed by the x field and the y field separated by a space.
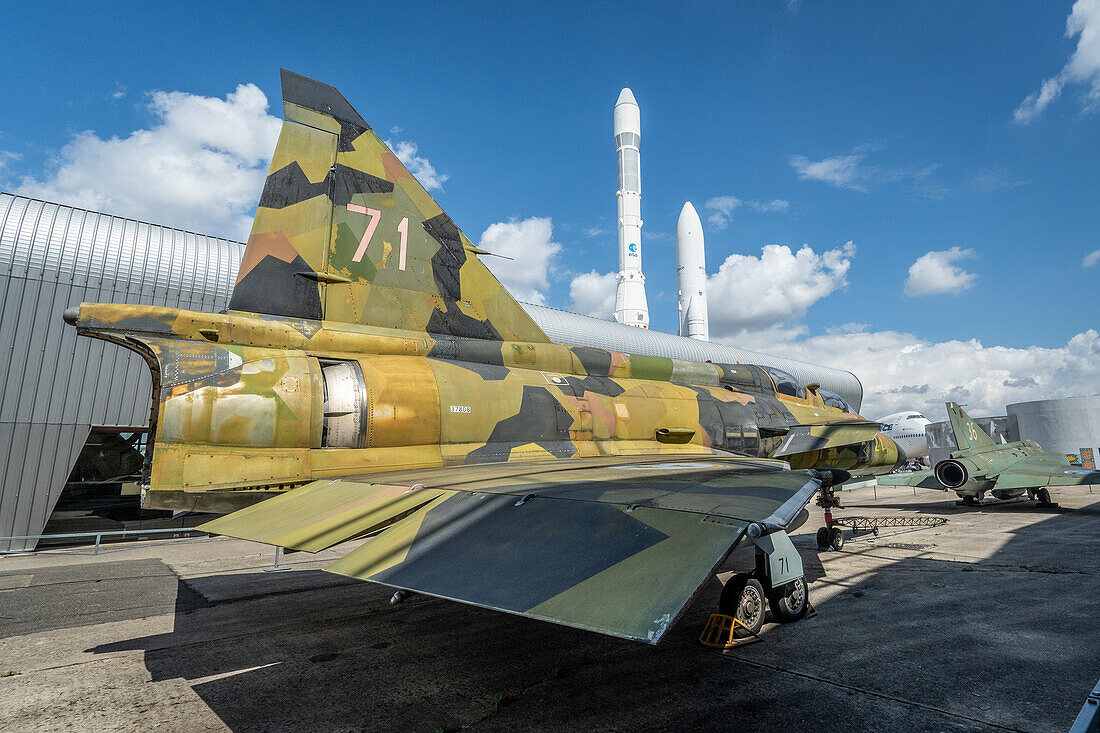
pixel 268 244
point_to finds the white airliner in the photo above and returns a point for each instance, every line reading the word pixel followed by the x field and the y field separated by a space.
pixel 907 430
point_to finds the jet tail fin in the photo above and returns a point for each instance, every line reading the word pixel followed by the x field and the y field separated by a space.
pixel 345 233
pixel 968 434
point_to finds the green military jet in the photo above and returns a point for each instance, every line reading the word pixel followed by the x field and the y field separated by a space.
pixel 1005 470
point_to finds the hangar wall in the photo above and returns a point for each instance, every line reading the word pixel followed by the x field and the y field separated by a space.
pixel 941 439
pixel 1063 426
pixel 54 387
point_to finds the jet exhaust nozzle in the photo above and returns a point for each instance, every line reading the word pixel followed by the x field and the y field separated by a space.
pixel 951 474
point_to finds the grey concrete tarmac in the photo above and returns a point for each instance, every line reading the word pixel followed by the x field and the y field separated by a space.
pixel 991 622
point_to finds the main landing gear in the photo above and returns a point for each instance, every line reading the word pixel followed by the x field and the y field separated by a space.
pixel 1043 497
pixel 777 583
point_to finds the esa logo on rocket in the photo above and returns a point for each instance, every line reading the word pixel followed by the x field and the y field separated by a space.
pixel 633 249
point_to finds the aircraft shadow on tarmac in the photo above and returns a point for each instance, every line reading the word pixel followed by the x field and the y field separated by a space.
pixel 1012 640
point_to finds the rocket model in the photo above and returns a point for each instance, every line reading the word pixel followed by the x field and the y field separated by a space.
pixel 630 303
pixel 691 275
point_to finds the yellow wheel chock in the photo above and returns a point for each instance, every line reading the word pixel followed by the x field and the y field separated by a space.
pixel 720 633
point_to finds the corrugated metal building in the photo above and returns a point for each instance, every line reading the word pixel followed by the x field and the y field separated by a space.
pixel 55 387
pixel 1070 425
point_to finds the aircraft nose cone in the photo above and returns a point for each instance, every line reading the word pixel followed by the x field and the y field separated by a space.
pixel 71 315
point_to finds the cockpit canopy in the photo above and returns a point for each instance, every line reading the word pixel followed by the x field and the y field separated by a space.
pixel 786 383
pixel 753 378
pixel 744 377
pixel 832 399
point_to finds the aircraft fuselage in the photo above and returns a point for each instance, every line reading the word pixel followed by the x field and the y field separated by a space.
pixel 246 405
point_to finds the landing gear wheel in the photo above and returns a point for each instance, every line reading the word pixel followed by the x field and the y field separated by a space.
pixel 743 598
pixel 823 538
pixel 789 601
pixel 1043 495
pixel 836 538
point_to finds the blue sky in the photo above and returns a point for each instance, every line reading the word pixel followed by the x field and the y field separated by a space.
pixel 901 118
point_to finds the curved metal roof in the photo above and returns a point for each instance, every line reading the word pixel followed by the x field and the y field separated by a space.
pixel 574 329
pixel 54 386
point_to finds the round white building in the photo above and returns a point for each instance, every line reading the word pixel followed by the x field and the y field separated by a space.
pixel 1070 425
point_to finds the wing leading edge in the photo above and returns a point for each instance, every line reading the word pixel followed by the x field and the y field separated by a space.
pixel 609 545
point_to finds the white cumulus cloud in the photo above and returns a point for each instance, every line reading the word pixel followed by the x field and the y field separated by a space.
pixel 842 171
pixel 593 294
pixel 419 166
pixel 773 205
pixel 532 251
pixel 758 292
pixel 722 207
pixel 1083 66
pixel 201 166
pixel 935 272
pixel 852 171
pixel 1091 259
pixel 6 156
pixel 900 371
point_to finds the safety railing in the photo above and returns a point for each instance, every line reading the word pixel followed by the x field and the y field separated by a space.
pixel 189 531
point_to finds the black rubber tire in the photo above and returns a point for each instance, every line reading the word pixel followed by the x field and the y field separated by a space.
pixel 743 598
pixel 790 601
pixel 823 538
pixel 836 538
pixel 1043 495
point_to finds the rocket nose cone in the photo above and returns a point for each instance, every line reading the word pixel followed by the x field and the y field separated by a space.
pixel 688 223
pixel 626 97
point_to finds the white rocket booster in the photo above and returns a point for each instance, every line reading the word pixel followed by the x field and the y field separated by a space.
pixel 630 303
pixel 691 275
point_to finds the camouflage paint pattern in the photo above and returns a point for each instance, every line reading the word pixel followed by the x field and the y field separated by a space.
pixel 372 376
pixel 238 416
pixel 345 233
pixel 554 541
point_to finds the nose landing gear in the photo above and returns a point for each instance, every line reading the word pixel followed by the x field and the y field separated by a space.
pixel 830 535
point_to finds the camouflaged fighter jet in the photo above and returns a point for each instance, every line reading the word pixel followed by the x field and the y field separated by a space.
pixel 1005 470
pixel 372 378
